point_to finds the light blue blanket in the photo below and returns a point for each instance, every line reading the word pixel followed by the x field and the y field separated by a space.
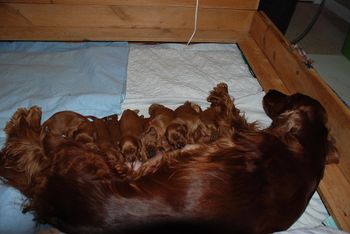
pixel 89 78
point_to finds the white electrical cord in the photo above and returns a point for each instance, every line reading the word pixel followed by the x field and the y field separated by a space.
pixel 195 23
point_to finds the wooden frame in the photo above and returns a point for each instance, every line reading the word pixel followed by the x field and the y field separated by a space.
pixel 274 61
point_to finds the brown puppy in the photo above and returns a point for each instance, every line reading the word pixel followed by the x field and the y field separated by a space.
pixel 104 141
pixel 183 129
pixel 67 126
pixel 113 127
pixel 131 128
pixel 154 140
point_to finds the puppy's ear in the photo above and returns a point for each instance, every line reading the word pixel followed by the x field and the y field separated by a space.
pixel 274 103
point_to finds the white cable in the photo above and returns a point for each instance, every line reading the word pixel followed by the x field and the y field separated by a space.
pixel 195 23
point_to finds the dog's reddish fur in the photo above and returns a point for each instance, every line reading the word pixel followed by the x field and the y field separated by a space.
pixel 247 181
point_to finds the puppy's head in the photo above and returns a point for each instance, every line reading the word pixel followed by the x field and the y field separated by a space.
pixel 176 135
pixel 129 147
pixel 151 143
pixel 303 117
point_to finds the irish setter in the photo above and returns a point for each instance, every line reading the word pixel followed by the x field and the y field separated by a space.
pixel 249 180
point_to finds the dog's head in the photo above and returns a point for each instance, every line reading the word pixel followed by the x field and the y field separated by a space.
pixel 302 117
pixel 276 103
pixel 177 135
pixel 129 147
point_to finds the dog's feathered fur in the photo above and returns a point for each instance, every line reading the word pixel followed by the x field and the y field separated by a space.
pixel 247 181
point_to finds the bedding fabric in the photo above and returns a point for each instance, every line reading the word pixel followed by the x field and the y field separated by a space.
pixel 85 77
pixel 171 74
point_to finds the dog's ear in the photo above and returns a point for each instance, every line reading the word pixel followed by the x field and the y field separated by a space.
pixel 274 103
pixel 152 132
pixel 332 154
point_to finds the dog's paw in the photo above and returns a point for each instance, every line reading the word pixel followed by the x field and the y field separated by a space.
pixel 221 87
pixel 218 97
pixel 33 117
pixel 123 170
pixel 16 121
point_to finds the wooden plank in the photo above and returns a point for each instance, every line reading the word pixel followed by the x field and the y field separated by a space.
pixel 63 19
pixel 261 66
pixel 117 34
pixel 235 4
pixel 297 78
pixel 332 189
pixel 26 1
pixel 127 17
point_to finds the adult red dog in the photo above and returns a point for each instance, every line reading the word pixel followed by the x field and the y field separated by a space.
pixel 248 181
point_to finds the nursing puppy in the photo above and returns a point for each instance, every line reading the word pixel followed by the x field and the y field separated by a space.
pixel 154 139
pixel 67 126
pixel 131 128
pixel 182 129
pixel 210 130
pixel 113 128
pixel 255 181
pixel 104 141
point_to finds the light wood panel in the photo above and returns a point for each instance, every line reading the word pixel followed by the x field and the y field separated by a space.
pixel 108 34
pixel 261 66
pixel 335 191
pixel 103 22
pixel 235 4
pixel 127 17
pixel 297 78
